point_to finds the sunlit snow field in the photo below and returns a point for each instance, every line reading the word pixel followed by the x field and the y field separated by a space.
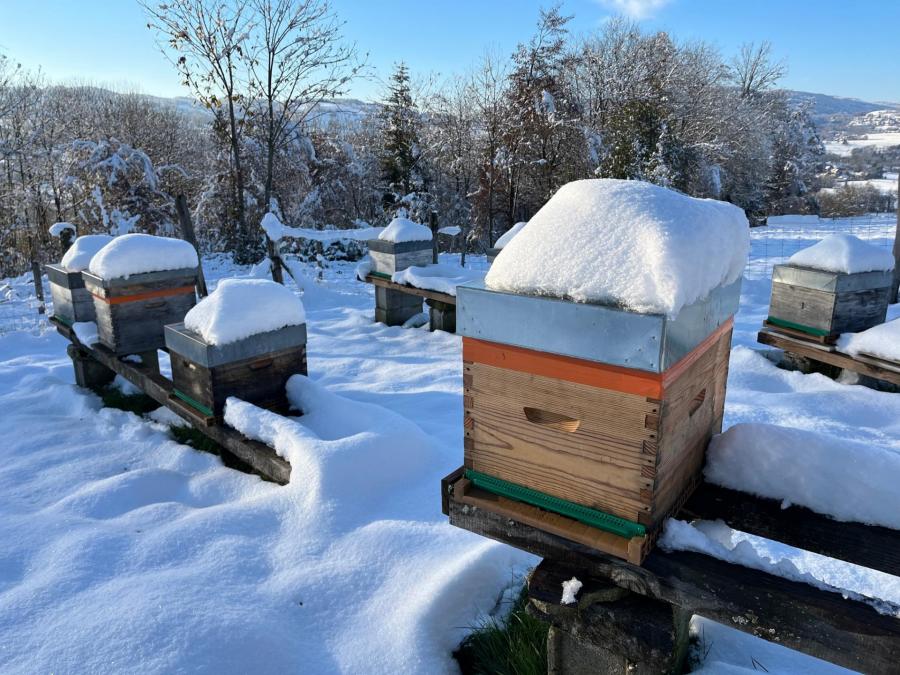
pixel 125 551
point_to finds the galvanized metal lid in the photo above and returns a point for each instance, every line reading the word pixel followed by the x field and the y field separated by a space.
pixel 831 282
pixel 190 345
pixel 611 335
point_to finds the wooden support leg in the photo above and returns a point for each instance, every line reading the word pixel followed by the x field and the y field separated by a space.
pixel 609 631
pixel 150 360
pixel 89 373
pixel 395 308
pixel 442 316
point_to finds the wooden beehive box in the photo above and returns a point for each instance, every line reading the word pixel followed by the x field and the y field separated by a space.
pixel 255 369
pixel 595 413
pixel 822 304
pixel 492 253
pixel 131 312
pixel 72 302
pixel 389 257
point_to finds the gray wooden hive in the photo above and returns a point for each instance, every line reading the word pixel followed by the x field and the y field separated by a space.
pixel 131 312
pixel 255 369
pixel 72 302
pixel 492 253
pixel 825 304
pixel 389 257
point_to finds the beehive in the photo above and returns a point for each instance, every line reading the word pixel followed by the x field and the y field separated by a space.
pixel 823 304
pixel 132 311
pixel 72 302
pixel 255 369
pixel 592 412
pixel 389 257
pixel 492 253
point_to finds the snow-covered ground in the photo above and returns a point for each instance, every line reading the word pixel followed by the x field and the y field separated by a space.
pixel 876 139
pixel 126 551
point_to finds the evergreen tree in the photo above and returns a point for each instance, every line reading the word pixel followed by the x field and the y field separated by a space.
pixel 400 136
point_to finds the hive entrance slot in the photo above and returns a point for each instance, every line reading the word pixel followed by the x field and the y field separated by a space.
pixel 697 402
pixel 546 418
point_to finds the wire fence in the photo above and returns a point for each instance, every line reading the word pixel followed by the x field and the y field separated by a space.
pixel 769 246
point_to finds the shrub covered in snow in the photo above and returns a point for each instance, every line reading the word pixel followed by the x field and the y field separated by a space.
pixel 140 253
pixel 402 229
pixel 628 243
pixel 239 308
pixel 82 251
pixel 844 253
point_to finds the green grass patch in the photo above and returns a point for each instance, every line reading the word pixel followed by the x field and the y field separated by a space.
pixel 188 435
pixel 139 404
pixel 516 645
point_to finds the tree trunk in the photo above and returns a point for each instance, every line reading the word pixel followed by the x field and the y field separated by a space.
pixel 896 284
pixel 243 233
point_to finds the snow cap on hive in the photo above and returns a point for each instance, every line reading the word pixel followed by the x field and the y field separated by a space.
pixel 241 308
pixel 844 253
pixel 142 253
pixel 82 251
pixel 509 234
pixel 628 243
pixel 403 229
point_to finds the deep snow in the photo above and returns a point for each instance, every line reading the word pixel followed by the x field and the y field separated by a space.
pixel 126 551
pixel 625 242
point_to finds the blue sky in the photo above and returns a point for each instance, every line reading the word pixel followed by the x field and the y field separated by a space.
pixel 834 47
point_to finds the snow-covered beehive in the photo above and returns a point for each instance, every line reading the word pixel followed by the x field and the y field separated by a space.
pixel 839 285
pixel 140 283
pixel 504 239
pixel 246 339
pixel 595 356
pixel 72 302
pixel 401 244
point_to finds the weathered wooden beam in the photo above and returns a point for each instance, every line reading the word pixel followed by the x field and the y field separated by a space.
pixel 412 290
pixel 881 370
pixel 823 624
pixel 877 548
pixel 187 232
pixel 608 629
pixel 263 460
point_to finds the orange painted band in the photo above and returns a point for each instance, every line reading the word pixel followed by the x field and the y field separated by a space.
pixel 137 297
pixel 581 371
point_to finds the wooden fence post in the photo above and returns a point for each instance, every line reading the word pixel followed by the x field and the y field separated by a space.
pixel 433 222
pixel 896 283
pixel 187 231
pixel 38 286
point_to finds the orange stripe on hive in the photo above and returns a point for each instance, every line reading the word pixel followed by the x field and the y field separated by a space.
pixel 581 371
pixel 566 368
pixel 137 297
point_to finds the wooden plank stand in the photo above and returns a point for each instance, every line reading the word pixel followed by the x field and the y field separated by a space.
pixel 630 619
pixel 96 366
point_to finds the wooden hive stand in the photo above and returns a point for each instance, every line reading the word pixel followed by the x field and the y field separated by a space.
pixel 632 619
